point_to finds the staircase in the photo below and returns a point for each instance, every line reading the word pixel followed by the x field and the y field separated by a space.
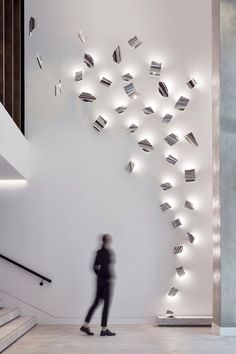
pixel 13 326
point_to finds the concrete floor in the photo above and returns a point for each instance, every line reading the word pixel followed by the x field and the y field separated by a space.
pixel 133 339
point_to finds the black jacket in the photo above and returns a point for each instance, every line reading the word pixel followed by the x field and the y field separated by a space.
pixel 103 265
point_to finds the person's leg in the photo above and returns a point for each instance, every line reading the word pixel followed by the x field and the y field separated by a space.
pixel 85 328
pixel 93 307
pixel 106 306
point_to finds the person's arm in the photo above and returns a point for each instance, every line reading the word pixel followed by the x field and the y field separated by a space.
pixel 97 264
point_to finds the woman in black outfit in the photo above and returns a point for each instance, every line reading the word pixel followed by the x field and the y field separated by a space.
pixel 103 269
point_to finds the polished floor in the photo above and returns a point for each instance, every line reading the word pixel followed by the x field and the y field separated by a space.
pixel 133 339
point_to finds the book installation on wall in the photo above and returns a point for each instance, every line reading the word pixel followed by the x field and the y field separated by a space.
pixel 145 145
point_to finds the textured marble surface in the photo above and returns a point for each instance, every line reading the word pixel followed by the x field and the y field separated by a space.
pixel 228 161
pixel 129 340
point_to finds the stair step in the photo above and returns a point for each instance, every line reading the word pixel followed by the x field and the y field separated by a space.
pixel 7 315
pixel 185 321
pixel 1 304
pixel 14 330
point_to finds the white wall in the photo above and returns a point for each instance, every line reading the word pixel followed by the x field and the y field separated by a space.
pixel 78 186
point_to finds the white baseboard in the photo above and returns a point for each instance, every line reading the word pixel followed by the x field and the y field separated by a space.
pixel 224 331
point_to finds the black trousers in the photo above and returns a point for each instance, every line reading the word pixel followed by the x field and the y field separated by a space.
pixel 103 293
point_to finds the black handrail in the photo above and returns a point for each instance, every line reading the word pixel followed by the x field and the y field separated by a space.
pixel 42 277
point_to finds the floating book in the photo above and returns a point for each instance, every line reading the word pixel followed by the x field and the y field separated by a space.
pixel 190 237
pixel 88 60
pixel 176 223
pixel 165 186
pixel 127 77
pixel 87 97
pixel 189 205
pixel 191 83
pixel 39 60
pixel 134 42
pixel 167 118
pixel 58 88
pixel 173 291
pixel 79 75
pixel 120 109
pixel 163 89
pixel 178 249
pixel 130 91
pixel 132 128
pixel 116 56
pixel 190 175
pixel 171 139
pixel 182 103
pixel 155 68
pixel 105 82
pixel 82 36
pixel 130 166
pixel 148 110
pixel 99 123
pixel 180 271
pixel 165 206
pixel 171 159
pixel 32 25
pixel 145 145
pixel 169 314
pixel 191 139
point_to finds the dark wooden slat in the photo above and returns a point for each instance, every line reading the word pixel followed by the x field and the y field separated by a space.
pixel 9 56
pixel 2 70
pixel 17 63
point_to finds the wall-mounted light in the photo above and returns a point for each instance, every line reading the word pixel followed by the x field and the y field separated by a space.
pixel 176 223
pixel 87 97
pixel 145 145
pixel 182 103
pixel 191 139
pixel 12 182
pixel 79 75
pixel 82 36
pixel 131 91
pixel 130 166
pixel 120 109
pixel 190 237
pixel 165 206
pixel 171 139
pixel 99 123
pixel 58 88
pixel 191 83
pixel 39 60
pixel 190 175
pixel 116 56
pixel 132 128
pixel 106 82
pixel 173 291
pixel 127 77
pixel 134 42
pixel 169 314
pixel 155 68
pixel 171 159
pixel 148 110
pixel 88 60
pixel 178 249
pixel 163 89
pixel 167 118
pixel 180 271
pixel 189 205
pixel 165 186
pixel 32 25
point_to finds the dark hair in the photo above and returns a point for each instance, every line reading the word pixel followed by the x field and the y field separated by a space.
pixel 105 238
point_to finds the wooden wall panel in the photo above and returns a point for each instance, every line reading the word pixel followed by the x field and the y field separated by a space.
pixel 12 59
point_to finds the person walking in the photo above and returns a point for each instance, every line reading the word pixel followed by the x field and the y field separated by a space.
pixel 103 268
